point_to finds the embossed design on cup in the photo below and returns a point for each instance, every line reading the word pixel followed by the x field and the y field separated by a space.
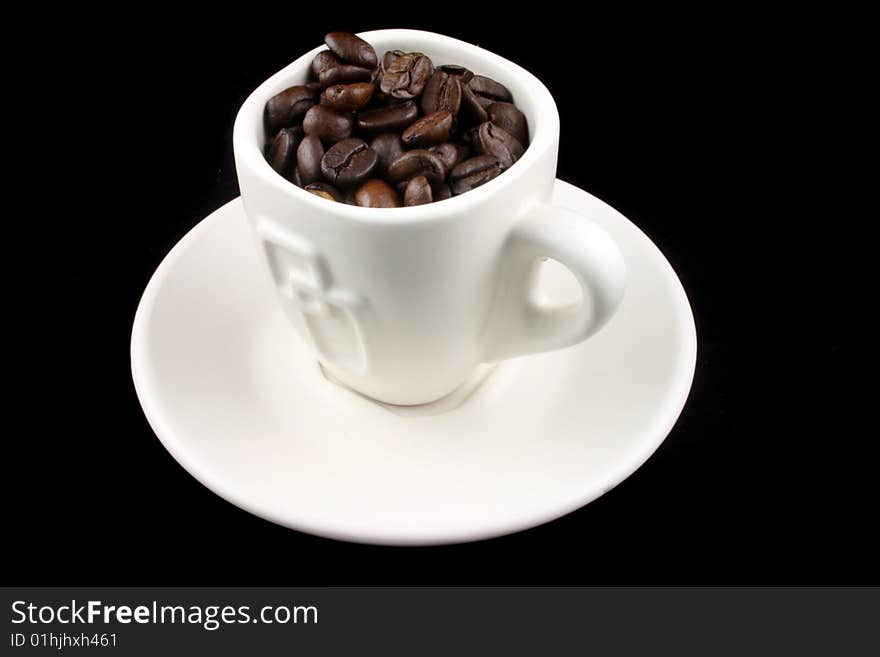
pixel 329 312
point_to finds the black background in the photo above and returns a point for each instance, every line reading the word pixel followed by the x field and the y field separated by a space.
pixel 658 119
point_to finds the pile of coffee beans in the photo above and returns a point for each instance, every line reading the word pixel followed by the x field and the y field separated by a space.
pixel 391 132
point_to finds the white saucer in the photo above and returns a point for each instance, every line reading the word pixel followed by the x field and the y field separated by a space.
pixel 236 399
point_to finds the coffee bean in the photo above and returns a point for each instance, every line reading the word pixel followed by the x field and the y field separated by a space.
pixel 388 148
pixel 483 86
pixel 463 74
pixel 389 57
pixel 348 97
pixel 351 49
pixel 507 117
pixel 428 130
pixel 323 194
pixel 324 61
pixel 485 101
pixel 384 63
pixel 330 70
pixel 349 162
pixel 451 153
pixel 288 107
pixel 489 139
pixel 345 74
pixel 443 192
pixel 282 150
pixel 407 75
pixel 325 190
pixel 348 195
pixel 308 159
pixel 387 119
pixel 471 109
pixel 328 124
pixel 473 165
pixel 376 193
pixel 474 172
pixel 443 92
pixel 467 137
pixel 469 131
pixel 417 163
pixel 418 192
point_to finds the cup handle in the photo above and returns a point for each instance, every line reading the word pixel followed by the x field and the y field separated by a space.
pixel 517 325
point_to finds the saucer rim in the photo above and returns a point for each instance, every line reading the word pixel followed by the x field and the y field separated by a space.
pixel 651 439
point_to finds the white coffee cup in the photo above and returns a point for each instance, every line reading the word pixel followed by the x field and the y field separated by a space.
pixel 402 304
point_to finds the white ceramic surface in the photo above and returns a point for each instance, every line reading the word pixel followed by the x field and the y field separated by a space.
pixel 246 410
pixel 404 303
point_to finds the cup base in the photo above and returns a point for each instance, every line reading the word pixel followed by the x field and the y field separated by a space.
pixel 443 405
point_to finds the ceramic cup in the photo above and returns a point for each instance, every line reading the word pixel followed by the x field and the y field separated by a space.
pixel 402 304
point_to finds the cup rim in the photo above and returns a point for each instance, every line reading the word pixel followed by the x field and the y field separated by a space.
pixel 543 128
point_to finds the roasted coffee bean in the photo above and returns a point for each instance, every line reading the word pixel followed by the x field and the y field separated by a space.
pixel 288 107
pixel 351 49
pixel 489 139
pixel 324 61
pixel 451 153
pixel 474 172
pixel 348 195
pixel 345 74
pixel 325 190
pixel 389 57
pixel 469 131
pixel 483 86
pixel 473 165
pixel 348 97
pixel 330 70
pixel 349 162
pixel 321 193
pixel 418 163
pixel 387 119
pixel 384 63
pixel 466 135
pixel 485 101
pixel 282 150
pixel 308 159
pixel 507 117
pixel 428 130
pixel 388 148
pixel 463 74
pixel 407 75
pixel 418 192
pixel 471 109
pixel 328 124
pixel 376 193
pixel 443 92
